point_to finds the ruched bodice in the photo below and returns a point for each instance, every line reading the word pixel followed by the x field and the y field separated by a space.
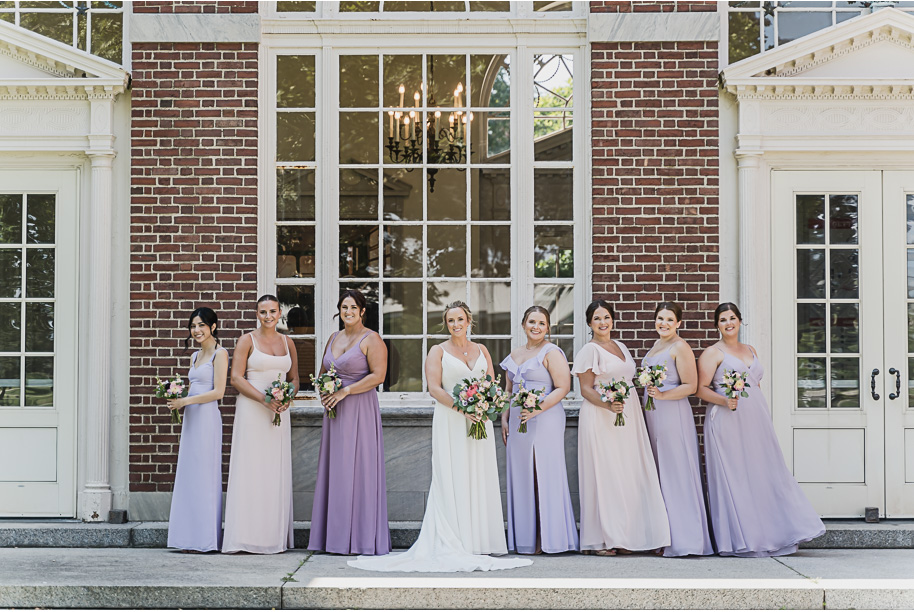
pixel 351 366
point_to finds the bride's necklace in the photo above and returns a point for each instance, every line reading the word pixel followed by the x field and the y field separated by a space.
pixel 466 353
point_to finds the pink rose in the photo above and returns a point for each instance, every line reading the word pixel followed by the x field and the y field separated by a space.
pixel 739 385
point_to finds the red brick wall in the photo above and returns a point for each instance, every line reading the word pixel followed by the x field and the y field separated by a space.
pixel 652 6
pixel 194 6
pixel 655 184
pixel 193 224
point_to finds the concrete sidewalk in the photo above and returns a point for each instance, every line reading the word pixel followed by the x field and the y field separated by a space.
pixel 157 578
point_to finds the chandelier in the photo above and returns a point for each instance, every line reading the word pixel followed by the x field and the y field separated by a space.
pixel 446 139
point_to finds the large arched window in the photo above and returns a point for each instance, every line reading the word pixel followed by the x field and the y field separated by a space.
pixel 423 174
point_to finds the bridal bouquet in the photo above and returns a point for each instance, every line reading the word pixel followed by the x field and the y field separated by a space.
pixel 651 376
pixel 615 391
pixel 483 397
pixel 327 383
pixel 735 384
pixel 172 388
pixel 281 391
pixel 530 400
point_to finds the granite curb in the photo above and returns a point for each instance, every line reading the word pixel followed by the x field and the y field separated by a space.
pixel 74 534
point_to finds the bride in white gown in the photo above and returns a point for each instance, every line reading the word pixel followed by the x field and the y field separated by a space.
pixel 463 521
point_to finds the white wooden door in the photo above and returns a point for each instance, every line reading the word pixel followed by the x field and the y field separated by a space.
pixel 898 206
pixel 828 335
pixel 38 323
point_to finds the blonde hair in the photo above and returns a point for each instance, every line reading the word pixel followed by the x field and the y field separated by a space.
pixel 452 306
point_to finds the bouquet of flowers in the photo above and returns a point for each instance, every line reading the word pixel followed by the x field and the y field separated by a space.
pixel 172 388
pixel 651 376
pixel 483 397
pixel 735 384
pixel 615 391
pixel 530 400
pixel 326 383
pixel 280 391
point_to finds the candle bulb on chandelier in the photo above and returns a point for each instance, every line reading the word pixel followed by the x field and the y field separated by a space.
pixel 417 97
pixel 402 91
pixel 406 125
pixel 397 117
pixel 390 114
pixel 437 117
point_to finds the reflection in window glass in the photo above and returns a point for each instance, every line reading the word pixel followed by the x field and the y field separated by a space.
pixel 95 27
pixel 286 6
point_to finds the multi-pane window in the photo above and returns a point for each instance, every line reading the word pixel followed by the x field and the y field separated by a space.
pixel 909 208
pixel 96 27
pixel 755 26
pixel 828 301
pixel 399 177
pixel 425 197
pixel 296 180
pixel 27 247
pixel 553 193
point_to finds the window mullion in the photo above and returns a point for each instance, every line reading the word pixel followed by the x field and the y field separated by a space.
pixel 327 194
pixel 522 187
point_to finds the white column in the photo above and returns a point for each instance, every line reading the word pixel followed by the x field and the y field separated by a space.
pixel 95 498
pixel 750 247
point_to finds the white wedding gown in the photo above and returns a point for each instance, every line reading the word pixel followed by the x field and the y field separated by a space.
pixel 463 521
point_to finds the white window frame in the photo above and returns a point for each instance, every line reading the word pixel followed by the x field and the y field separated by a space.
pixel 326 49
pixel 520 9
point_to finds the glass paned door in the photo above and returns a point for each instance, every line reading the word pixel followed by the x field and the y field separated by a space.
pixel 38 269
pixel 898 209
pixel 828 333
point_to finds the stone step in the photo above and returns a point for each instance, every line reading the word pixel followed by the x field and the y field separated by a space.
pixel 157 578
pixel 75 534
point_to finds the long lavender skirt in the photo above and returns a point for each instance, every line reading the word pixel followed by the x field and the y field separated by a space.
pixel 674 441
pixel 757 508
pixel 350 500
pixel 195 521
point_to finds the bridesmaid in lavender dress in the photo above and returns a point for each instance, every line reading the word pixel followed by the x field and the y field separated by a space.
pixel 195 521
pixel 258 505
pixel 540 514
pixel 671 428
pixel 757 507
pixel 350 499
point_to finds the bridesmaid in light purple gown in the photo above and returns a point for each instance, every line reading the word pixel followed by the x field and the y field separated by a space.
pixel 195 520
pixel 540 514
pixel 350 499
pixel 671 428
pixel 757 507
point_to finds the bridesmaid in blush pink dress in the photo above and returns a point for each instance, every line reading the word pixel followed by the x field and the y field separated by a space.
pixel 757 507
pixel 258 507
pixel 622 508
pixel 349 515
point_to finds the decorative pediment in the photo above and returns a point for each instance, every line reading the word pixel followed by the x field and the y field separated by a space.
pixel 38 68
pixel 871 57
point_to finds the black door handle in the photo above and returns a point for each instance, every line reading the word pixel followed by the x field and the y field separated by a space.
pixel 873 384
pixel 897 393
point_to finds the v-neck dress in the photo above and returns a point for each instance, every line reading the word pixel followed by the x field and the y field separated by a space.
pixel 349 515
pixel 757 507
pixel 621 503
pixel 463 521
pixel 674 440
pixel 195 520
pixel 258 504
pixel 537 490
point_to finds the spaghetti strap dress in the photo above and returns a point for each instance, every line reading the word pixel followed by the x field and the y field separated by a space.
pixel 195 520
pixel 349 515
pixel 258 507
pixel 537 491
pixel 463 522
pixel 674 440
pixel 757 507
